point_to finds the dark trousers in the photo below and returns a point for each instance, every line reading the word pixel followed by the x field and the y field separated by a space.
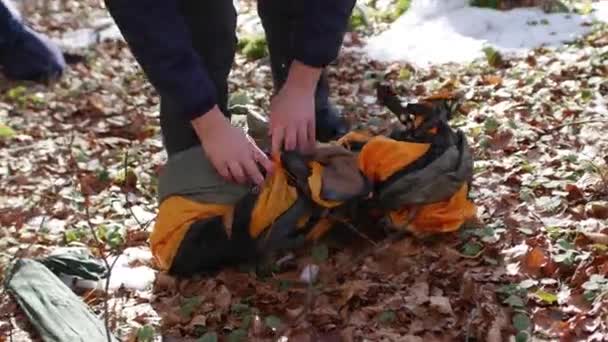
pixel 213 24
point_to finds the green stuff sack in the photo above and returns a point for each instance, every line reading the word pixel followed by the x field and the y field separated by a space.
pixel 56 313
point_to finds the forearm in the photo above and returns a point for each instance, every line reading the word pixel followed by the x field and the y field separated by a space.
pixel 161 43
pixel 303 77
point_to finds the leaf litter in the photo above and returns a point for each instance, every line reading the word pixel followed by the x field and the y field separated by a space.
pixel 535 264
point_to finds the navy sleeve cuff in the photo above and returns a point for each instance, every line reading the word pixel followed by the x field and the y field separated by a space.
pixel 161 43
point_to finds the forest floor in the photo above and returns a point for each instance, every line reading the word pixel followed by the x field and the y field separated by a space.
pixel 82 155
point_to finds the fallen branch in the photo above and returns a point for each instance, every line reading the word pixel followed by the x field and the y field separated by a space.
pixel 109 267
pixel 102 254
pixel 574 123
pixel 142 226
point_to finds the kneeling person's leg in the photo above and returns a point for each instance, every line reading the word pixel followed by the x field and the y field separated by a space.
pixel 212 25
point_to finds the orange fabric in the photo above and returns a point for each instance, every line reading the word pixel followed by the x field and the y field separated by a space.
pixel 315 182
pixel 276 197
pixel 174 218
pixel 381 157
pixel 440 217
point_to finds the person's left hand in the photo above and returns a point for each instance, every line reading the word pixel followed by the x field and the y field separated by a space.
pixel 292 111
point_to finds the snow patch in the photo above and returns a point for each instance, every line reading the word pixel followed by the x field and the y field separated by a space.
pixel 140 277
pixel 452 31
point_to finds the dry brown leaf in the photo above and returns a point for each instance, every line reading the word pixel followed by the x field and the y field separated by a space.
pixel 598 209
pixel 419 293
pixel 346 334
pixel 492 80
pixel 223 298
pixel 198 320
pixel 536 258
pixel 574 192
pixel 164 282
pixel 441 304
pixel 597 237
pixel 351 288
pixel 171 318
pixel 499 324
pixel 467 290
pixel 293 313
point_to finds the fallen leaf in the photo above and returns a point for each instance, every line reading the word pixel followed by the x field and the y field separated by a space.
pixel 574 192
pixel 6 132
pixel 599 238
pixel 198 320
pixel 441 304
pixel 521 322
pixel 515 301
pixel 208 337
pixel 492 80
pixel 499 324
pixel 352 288
pixel 545 296
pixel 320 253
pixel 223 298
pixel 536 258
pixel 597 209
pixel 164 282
pixel 419 292
pixel 387 317
pixel 171 318
pixel 273 322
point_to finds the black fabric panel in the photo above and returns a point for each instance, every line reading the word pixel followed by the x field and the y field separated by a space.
pixel 206 246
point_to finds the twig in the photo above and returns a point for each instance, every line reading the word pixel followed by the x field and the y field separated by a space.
pixel 355 230
pixel 373 250
pixel 573 123
pixel 126 167
pixel 100 248
pixel 468 331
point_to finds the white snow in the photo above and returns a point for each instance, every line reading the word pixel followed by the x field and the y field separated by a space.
pixel 446 31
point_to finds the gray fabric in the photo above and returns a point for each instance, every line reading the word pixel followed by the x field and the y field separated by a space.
pixel 52 308
pixel 436 182
pixel 190 174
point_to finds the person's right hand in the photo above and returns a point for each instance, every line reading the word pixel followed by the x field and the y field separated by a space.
pixel 233 153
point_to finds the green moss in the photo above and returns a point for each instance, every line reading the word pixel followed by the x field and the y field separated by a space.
pixel 486 3
pixel 400 7
pixel 253 47
pixel 357 20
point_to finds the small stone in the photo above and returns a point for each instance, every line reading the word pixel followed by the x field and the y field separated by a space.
pixel 309 274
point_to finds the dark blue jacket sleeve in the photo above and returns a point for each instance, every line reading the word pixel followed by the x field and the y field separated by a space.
pixel 320 30
pixel 161 43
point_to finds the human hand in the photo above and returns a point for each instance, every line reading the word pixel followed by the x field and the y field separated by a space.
pixel 292 111
pixel 233 153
